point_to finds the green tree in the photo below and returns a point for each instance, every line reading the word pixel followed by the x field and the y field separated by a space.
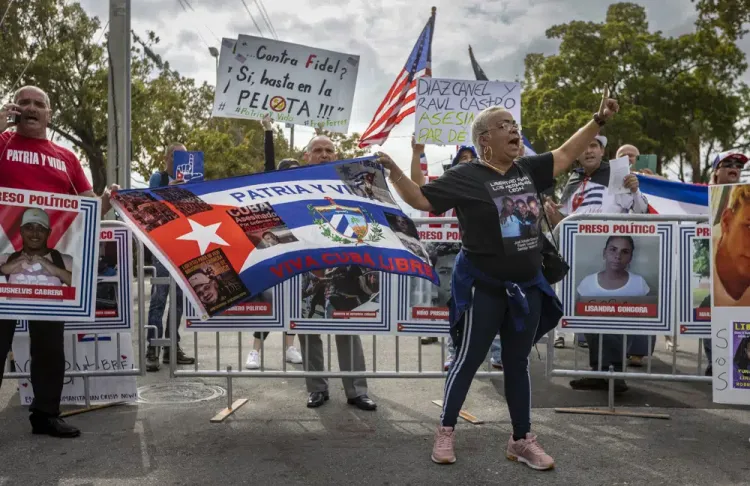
pixel 676 94
pixel 701 261
pixel 51 44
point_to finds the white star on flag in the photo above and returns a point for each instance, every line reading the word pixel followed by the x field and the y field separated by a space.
pixel 203 235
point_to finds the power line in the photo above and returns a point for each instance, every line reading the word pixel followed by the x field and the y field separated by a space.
pixel 205 25
pixel 104 31
pixel 266 18
pixel 7 9
pixel 197 32
pixel 252 18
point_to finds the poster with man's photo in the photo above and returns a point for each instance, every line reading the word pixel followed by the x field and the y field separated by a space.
pixel 48 256
pixel 621 277
pixel 365 179
pixel 263 312
pixel 340 300
pixel 519 211
pixel 729 207
pixel 263 227
pixel 114 307
pixel 214 281
pixel 694 282
pixel 406 231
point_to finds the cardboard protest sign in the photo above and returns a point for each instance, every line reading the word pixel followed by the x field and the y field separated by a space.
pixel 446 108
pixel 694 281
pixel 85 357
pixel 48 256
pixel 296 84
pixel 730 294
pixel 114 309
pixel 621 278
pixel 188 166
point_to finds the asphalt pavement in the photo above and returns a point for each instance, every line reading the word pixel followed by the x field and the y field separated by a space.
pixel 275 440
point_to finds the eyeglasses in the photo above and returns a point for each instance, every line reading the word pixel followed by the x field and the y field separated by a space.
pixel 505 125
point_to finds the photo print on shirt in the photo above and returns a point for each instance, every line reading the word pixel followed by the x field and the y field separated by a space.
pixel 519 211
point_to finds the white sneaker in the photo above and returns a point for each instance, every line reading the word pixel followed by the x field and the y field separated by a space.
pixel 293 356
pixel 253 360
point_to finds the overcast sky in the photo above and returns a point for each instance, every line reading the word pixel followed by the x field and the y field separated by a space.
pixel 382 33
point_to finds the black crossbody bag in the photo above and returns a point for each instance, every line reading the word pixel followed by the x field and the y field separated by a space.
pixel 554 266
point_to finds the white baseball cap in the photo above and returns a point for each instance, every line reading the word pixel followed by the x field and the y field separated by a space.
pixel 602 140
pixel 35 215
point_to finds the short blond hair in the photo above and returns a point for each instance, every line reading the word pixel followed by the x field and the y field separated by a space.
pixel 481 125
pixel 171 147
pixel 739 196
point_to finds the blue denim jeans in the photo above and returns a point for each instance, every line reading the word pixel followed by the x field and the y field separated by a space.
pixel 159 296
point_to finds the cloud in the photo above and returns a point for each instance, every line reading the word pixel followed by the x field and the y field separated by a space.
pixel 382 33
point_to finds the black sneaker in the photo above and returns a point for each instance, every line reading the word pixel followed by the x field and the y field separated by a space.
pixel 182 358
pixel 152 359
pixel 53 426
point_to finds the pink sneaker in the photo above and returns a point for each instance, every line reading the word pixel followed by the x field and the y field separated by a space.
pixel 529 452
pixel 442 451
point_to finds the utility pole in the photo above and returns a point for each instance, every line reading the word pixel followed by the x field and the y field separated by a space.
pixel 291 139
pixel 118 134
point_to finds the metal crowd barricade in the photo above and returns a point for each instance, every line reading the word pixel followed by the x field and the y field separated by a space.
pixel 230 373
pixel 611 375
pixel 137 328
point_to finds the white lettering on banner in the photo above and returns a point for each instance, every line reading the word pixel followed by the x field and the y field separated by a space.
pixel 446 107
pixel 278 193
pixel 296 84
pixel 35 158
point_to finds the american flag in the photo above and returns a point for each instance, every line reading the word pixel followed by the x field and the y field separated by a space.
pixel 400 101
pixel 423 164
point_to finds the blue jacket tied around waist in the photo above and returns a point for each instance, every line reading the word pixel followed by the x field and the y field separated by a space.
pixel 465 274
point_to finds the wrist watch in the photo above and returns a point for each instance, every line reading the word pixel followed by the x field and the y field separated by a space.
pixel 599 120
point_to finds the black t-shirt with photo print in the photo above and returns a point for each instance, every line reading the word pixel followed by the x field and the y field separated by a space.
pixel 495 235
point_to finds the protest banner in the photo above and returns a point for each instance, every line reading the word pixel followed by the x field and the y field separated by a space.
pixel 296 84
pixel 621 278
pixel 446 108
pixel 48 256
pixel 694 291
pixel 101 389
pixel 188 166
pixel 264 312
pixel 114 310
pixel 730 294
pixel 228 240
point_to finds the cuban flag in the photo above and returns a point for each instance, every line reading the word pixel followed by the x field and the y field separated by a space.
pixel 668 197
pixel 226 241
pixel 527 144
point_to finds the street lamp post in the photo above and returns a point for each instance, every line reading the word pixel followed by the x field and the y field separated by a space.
pixel 215 54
